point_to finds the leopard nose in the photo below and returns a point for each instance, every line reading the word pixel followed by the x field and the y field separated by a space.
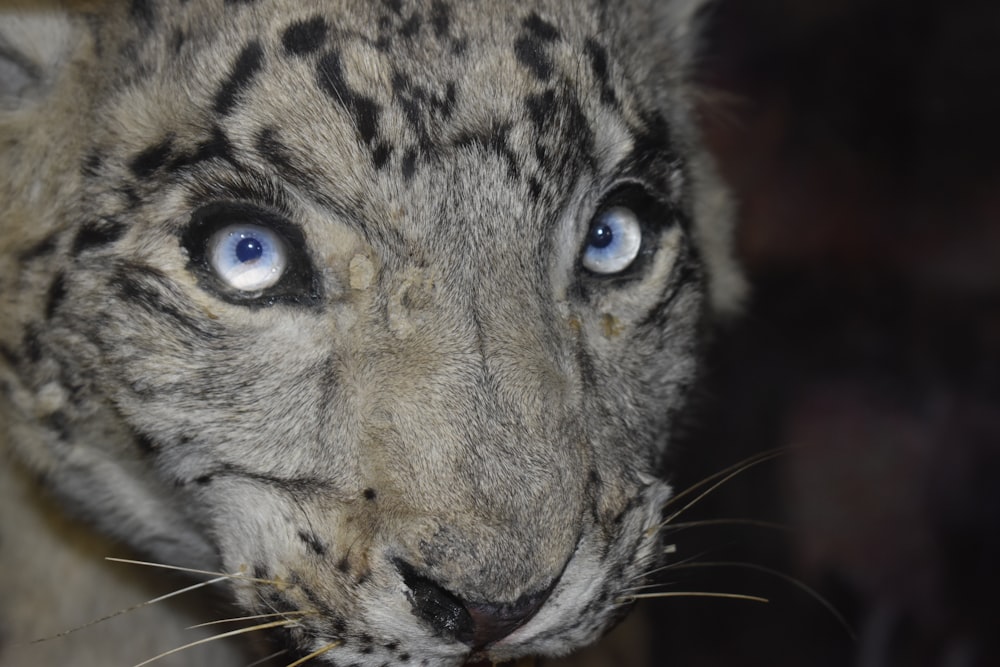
pixel 472 623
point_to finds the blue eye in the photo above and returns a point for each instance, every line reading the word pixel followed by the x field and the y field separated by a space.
pixel 249 258
pixel 613 242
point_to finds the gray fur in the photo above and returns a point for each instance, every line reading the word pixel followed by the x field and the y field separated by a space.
pixel 448 387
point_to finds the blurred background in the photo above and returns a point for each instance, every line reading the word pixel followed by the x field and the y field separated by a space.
pixel 862 139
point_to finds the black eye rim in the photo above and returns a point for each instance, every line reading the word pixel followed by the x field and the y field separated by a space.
pixel 654 213
pixel 299 284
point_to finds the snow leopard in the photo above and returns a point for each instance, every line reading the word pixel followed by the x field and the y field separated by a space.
pixel 376 317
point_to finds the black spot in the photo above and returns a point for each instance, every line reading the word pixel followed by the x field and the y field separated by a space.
pixel 367 650
pixel 43 248
pixel 216 147
pixel 599 63
pixel 494 141
pixel 204 479
pixel 331 80
pixel 344 565
pixel 381 154
pixel 411 27
pixel 395 5
pixel 9 356
pixel 57 292
pixel 272 150
pixel 535 188
pixel 366 638
pixel 540 108
pixel 339 626
pixel 541 28
pixel 177 40
pixel 531 53
pixel 92 164
pixel 145 444
pixel 32 346
pixel 149 160
pixel 409 165
pixel 311 540
pixel 247 64
pixel 440 18
pixel 95 234
pixel 370 494
pixel 305 37
pixel 135 285
pixel 460 46
pixel 260 571
pixel 143 13
pixel 404 657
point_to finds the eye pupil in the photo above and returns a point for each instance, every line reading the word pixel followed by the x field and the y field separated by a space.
pixel 601 236
pixel 249 249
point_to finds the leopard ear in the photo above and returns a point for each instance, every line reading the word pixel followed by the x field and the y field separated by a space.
pixel 36 41
pixel 676 76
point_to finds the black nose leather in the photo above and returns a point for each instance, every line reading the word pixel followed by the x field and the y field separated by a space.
pixel 475 624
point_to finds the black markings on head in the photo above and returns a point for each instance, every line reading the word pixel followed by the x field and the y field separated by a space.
pixel 142 285
pixel 43 248
pixel 304 37
pixel 272 150
pixel 32 345
pixel 143 12
pixel 370 494
pixel 145 163
pixel 599 64
pixel 57 292
pixel 409 164
pixel 216 147
pixel 440 18
pixel 381 154
pixel 530 46
pixel 177 40
pixel 247 64
pixel 494 141
pixel 92 164
pixel 145 444
pixel 411 27
pixel 541 28
pixel 330 76
pixel 311 540
pixel 96 234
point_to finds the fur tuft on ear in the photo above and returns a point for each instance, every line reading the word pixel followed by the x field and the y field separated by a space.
pixel 35 42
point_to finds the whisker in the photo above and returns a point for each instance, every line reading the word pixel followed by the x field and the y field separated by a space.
pixel 239 575
pixel 715 481
pixel 268 658
pixel 694 594
pixel 315 654
pixel 770 525
pixel 134 607
pixel 237 619
pixel 231 633
pixel 802 586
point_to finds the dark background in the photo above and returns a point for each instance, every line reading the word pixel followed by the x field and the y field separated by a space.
pixel 861 138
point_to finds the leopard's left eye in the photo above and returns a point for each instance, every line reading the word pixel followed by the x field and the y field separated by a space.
pixel 248 257
pixel 613 241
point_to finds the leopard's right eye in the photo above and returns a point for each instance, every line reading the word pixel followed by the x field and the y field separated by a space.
pixel 249 255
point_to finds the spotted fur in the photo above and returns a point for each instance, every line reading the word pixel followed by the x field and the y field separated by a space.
pixel 436 408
